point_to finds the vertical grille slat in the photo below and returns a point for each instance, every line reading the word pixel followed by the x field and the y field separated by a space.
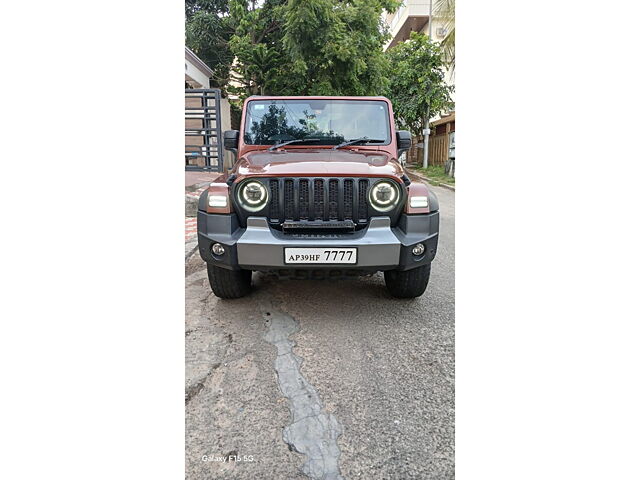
pixel 274 204
pixel 304 199
pixel 362 199
pixel 333 199
pixel 318 199
pixel 348 199
pixel 288 200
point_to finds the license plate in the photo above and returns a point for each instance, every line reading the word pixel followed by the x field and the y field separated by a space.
pixel 320 255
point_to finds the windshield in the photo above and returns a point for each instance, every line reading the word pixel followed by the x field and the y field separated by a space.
pixel 328 122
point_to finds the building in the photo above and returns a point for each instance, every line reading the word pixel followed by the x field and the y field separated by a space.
pixel 418 16
pixel 196 72
pixel 415 16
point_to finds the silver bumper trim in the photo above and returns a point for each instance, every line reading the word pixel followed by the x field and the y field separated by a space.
pixel 377 247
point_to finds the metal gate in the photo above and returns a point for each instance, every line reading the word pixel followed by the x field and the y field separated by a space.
pixel 203 148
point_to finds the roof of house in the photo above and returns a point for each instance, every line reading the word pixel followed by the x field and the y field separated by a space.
pixel 199 64
pixel 446 119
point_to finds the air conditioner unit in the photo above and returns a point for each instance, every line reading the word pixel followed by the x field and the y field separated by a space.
pixel 441 32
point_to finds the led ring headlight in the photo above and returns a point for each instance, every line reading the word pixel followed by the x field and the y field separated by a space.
pixel 384 196
pixel 253 196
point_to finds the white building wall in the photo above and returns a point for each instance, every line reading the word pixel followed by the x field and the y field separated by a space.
pixel 225 124
pixel 195 75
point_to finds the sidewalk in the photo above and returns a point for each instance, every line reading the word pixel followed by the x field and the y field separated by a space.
pixel 194 184
pixel 190 237
pixel 196 193
pixel 192 179
pixel 414 174
pixel 190 228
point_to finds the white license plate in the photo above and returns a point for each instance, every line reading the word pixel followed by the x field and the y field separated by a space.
pixel 320 255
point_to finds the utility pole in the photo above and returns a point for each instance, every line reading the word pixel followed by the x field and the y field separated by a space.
pixel 426 132
pixel 430 15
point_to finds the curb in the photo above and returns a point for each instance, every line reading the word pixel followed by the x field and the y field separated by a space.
pixel 430 180
pixel 196 186
pixel 192 197
pixel 190 248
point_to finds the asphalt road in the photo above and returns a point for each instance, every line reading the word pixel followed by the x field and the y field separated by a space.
pixel 381 368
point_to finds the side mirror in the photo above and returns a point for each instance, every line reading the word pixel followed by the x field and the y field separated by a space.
pixel 230 139
pixel 403 139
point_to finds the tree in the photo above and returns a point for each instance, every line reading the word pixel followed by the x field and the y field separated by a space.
pixel 309 47
pixel 445 11
pixel 416 83
pixel 336 45
pixel 208 33
pixel 257 45
pixel 292 47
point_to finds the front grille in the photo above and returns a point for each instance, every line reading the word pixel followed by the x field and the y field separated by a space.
pixel 318 199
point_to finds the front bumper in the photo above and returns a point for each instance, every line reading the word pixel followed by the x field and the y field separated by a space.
pixel 260 247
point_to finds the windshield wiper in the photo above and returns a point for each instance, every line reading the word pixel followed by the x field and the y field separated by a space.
pixel 297 140
pixel 358 140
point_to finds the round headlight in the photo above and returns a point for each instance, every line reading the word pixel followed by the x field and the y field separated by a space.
pixel 253 196
pixel 384 196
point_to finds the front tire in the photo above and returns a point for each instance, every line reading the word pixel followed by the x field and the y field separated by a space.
pixel 407 284
pixel 229 283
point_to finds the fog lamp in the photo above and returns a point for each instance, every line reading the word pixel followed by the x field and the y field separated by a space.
pixel 217 249
pixel 418 249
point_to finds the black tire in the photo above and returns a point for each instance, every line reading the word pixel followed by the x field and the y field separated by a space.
pixel 409 283
pixel 229 283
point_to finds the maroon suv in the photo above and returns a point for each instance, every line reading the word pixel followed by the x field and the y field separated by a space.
pixel 317 190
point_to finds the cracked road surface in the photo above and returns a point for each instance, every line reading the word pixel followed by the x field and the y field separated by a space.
pixel 378 372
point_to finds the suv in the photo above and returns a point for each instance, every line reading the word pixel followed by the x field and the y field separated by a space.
pixel 317 190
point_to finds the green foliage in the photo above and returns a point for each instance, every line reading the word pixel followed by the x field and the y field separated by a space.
pixel 316 47
pixel 308 47
pixel 191 7
pixel 257 46
pixel 335 46
pixel 416 82
pixel 208 33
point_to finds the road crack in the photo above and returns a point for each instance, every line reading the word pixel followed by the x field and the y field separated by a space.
pixel 197 387
pixel 312 432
